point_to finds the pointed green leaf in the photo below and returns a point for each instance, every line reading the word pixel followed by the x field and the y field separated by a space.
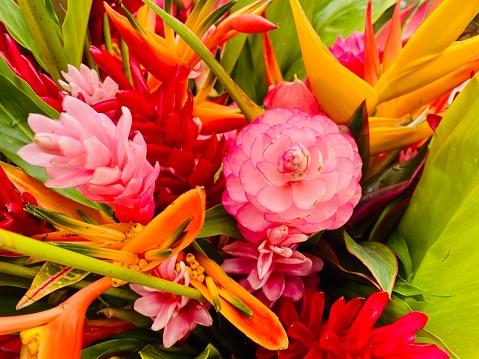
pixel 218 221
pixel 74 30
pixel 50 277
pixel 210 352
pixel 110 347
pixel 378 258
pixel 440 229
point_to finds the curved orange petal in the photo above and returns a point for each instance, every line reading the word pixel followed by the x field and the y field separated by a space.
pixel 263 327
pixel 154 234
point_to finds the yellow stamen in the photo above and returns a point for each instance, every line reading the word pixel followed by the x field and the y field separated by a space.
pixel 213 289
pixel 32 338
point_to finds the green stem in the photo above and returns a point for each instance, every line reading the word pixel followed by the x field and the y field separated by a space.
pixel 125 57
pixel 28 272
pixel 248 107
pixel 19 244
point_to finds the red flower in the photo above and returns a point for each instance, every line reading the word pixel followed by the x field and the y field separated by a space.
pixel 349 333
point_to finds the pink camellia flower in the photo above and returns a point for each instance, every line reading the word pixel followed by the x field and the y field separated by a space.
pixel 85 150
pixel 275 267
pixel 291 95
pixel 177 315
pixel 290 168
pixel 85 82
pixel 350 52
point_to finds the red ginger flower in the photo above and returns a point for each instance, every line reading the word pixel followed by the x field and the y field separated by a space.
pixel 349 332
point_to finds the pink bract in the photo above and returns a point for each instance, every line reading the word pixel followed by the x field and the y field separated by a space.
pixel 274 267
pixel 85 82
pixel 289 168
pixel 177 315
pixel 85 150
pixel 350 52
pixel 291 95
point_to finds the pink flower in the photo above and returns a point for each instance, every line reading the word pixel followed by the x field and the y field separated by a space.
pixel 85 82
pixel 85 150
pixel 274 267
pixel 291 95
pixel 350 52
pixel 177 315
pixel 289 168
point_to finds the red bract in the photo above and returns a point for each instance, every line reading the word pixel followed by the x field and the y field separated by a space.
pixel 12 215
pixel 349 333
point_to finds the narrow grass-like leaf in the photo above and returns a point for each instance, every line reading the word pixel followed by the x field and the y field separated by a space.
pixel 74 30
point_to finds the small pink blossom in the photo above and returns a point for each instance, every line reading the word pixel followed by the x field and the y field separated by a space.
pixel 274 267
pixel 291 95
pixel 350 52
pixel 177 315
pixel 85 82
pixel 85 150
pixel 289 168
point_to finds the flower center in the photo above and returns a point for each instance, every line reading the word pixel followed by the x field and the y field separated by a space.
pixel 294 161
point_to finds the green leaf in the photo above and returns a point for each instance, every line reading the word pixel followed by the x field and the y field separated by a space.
pixel 74 30
pixel 111 347
pixel 333 18
pixel 440 229
pixel 160 352
pixel 50 277
pixel 218 221
pixel 378 258
pixel 17 27
pixel 210 352
pixel 46 32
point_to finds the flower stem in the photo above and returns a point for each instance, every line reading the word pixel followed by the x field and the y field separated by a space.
pixel 17 243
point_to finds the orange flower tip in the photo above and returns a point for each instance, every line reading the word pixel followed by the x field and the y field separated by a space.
pixel 251 24
pixel 236 302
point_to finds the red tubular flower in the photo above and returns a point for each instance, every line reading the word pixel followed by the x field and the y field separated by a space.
pixel 349 333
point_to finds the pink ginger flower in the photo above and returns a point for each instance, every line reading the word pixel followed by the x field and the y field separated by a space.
pixel 291 95
pixel 177 315
pixel 274 268
pixel 350 52
pixel 84 83
pixel 290 168
pixel 85 150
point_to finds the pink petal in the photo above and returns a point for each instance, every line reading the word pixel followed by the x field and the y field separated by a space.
pixel 176 329
pixel 307 194
pixel 275 199
pixel 250 179
pixel 105 176
pixel 294 288
pixel 274 287
pixel 271 173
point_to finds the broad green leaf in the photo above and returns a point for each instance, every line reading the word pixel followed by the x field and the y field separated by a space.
pixel 218 221
pixel 111 347
pixel 74 30
pixel 333 18
pixel 50 277
pixel 378 258
pixel 17 27
pixel 440 226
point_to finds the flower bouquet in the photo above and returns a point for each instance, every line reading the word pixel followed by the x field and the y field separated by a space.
pixel 238 179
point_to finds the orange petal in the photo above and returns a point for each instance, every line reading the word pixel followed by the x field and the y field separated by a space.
pixel 147 47
pixel 189 204
pixel 49 199
pixel 393 43
pixel 264 326
pixel 271 65
pixel 371 56
pixel 338 90
pixel 217 118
